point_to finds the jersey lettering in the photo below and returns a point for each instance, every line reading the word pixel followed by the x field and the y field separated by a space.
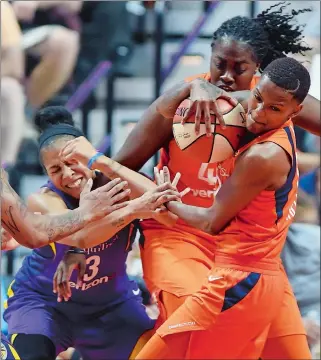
pixel 93 266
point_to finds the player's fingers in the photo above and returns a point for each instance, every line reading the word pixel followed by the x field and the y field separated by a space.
pixel 87 187
pixel 118 206
pixel 59 290
pixel 115 190
pixel 161 176
pixel 54 282
pixel 218 114
pixel 207 119
pixel 198 115
pixel 189 112
pixel 120 196
pixel 107 187
pixel 176 179
pixel 185 191
pixel 166 198
pixel 66 292
pixel 157 176
pixel 81 273
pixel 163 187
pixel 226 96
pixel 167 177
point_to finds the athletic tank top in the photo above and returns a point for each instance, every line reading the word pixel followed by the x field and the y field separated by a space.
pixel 105 283
pixel 260 229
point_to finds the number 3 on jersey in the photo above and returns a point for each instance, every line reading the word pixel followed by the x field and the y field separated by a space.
pixel 92 266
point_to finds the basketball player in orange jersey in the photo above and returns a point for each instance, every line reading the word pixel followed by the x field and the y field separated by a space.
pixel 240 47
pixel 230 316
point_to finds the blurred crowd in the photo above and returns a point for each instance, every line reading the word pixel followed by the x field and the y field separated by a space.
pixel 48 47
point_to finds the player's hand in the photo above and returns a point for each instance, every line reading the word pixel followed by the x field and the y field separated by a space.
pixel 104 200
pixel 149 205
pixel 78 150
pixel 67 265
pixel 7 241
pixel 203 96
pixel 25 10
pixel 163 176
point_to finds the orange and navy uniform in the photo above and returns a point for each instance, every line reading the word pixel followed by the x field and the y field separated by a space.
pixel 174 260
pixel 163 248
pixel 260 229
pixel 244 291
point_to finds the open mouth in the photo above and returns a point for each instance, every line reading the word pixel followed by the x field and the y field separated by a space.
pixel 74 184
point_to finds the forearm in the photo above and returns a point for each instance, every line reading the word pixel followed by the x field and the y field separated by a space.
pixel 34 230
pixel 169 101
pixel 138 183
pixel 197 217
pixel 102 230
pixel 309 117
pixel 152 132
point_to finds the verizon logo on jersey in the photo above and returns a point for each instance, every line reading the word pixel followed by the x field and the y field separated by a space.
pixel 86 286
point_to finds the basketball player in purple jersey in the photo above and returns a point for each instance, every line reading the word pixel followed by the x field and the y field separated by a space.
pixel 105 316
pixel 33 230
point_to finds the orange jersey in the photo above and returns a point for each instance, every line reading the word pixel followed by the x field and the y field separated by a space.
pixel 260 229
pixel 204 179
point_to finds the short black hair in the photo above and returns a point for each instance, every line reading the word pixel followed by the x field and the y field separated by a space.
pixel 271 35
pixel 290 75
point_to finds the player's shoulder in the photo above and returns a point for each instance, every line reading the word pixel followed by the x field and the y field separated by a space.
pixel 44 200
pixel 267 157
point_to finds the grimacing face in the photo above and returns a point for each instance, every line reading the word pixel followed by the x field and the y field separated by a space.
pixel 232 65
pixel 269 107
pixel 67 177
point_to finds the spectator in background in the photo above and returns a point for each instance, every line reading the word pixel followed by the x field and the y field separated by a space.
pixel 301 256
pixel 52 50
pixel 12 93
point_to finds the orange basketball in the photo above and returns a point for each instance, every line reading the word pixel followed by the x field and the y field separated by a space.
pixel 218 147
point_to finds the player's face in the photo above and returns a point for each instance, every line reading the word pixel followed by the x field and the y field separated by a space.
pixel 269 107
pixel 232 65
pixel 67 177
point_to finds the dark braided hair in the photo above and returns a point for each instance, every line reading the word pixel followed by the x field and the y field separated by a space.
pixel 270 35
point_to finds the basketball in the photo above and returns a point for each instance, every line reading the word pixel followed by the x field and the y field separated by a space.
pixel 218 147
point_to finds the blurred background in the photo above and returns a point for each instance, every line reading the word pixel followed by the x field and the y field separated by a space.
pixel 106 61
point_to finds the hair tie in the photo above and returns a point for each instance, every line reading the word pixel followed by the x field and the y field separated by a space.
pixel 59 129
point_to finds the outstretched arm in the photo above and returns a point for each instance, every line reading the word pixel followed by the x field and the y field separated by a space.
pixel 33 230
pixel 99 231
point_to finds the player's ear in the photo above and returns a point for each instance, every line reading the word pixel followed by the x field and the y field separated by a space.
pixel 297 110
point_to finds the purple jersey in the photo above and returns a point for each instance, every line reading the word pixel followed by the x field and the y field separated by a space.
pixel 105 283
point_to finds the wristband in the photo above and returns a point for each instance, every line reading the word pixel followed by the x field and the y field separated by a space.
pixel 93 159
pixel 75 250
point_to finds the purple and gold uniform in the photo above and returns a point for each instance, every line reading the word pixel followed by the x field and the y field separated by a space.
pixel 104 317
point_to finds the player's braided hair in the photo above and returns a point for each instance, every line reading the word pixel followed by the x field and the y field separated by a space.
pixel 271 35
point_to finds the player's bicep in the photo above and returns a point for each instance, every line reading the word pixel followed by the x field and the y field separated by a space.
pixel 151 133
pixel 249 178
